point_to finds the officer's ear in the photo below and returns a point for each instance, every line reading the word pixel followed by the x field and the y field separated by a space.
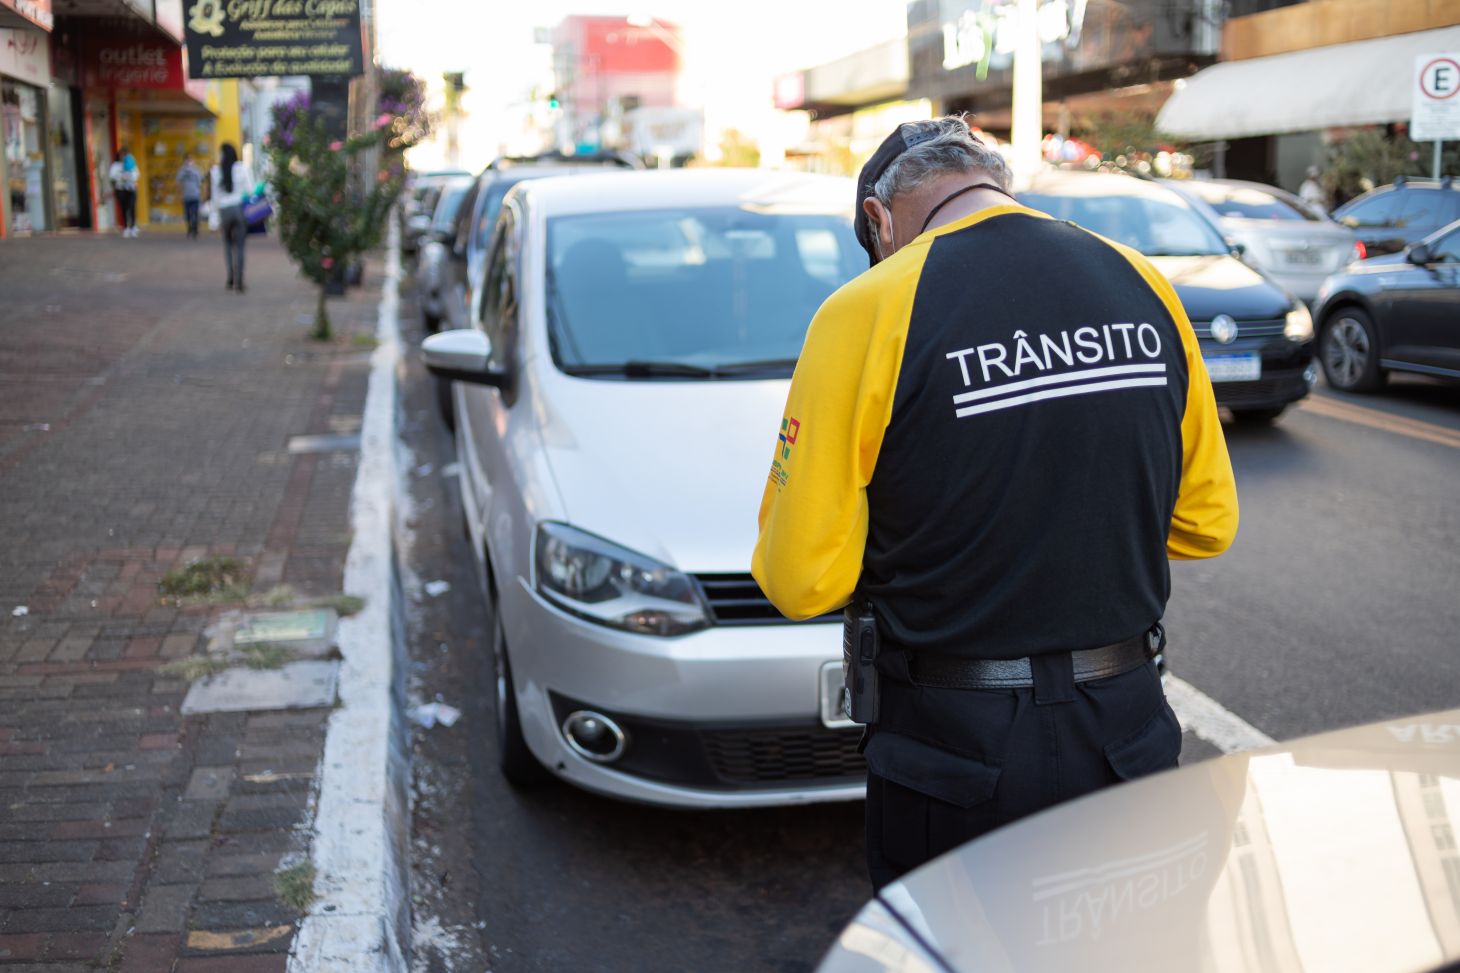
pixel 881 219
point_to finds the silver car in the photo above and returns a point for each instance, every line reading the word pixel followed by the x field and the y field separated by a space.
pixel 1279 234
pixel 1334 853
pixel 617 405
pixel 433 262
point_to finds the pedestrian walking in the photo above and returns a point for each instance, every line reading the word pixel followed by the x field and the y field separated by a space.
pixel 231 183
pixel 190 182
pixel 994 441
pixel 123 176
pixel 1311 190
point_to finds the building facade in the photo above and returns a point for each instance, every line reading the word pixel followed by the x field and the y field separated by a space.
pixel 607 67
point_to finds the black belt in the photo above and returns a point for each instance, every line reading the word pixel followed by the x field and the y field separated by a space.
pixel 953 672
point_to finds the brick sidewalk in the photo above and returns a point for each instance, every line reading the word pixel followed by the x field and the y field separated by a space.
pixel 145 415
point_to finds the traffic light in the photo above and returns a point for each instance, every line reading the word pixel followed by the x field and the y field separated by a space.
pixel 553 101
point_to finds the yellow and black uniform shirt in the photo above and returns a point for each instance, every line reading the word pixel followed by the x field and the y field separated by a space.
pixel 1000 434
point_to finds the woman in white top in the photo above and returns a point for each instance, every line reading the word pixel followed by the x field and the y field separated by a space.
pixel 232 183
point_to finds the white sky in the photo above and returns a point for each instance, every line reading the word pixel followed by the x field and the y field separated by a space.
pixel 732 50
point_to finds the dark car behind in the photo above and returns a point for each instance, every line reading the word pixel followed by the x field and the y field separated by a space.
pixel 1257 340
pixel 1397 312
pixel 1390 218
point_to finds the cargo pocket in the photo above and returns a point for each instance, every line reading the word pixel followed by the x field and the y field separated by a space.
pixel 1154 747
pixel 928 800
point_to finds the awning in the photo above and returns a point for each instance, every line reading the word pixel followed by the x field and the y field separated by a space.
pixel 1360 83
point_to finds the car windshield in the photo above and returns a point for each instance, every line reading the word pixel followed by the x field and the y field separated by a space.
pixel 691 293
pixel 1157 226
pixel 449 205
pixel 1244 203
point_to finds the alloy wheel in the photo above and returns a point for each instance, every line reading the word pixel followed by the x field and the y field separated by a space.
pixel 1347 351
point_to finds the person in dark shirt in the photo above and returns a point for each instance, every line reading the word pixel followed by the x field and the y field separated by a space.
pixel 995 438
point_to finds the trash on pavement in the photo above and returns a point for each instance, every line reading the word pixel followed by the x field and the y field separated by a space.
pixel 20 611
pixel 429 714
pixel 437 588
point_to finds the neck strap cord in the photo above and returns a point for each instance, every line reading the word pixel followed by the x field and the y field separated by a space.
pixel 959 192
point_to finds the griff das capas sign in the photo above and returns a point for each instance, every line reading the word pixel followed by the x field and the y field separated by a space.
pixel 273 38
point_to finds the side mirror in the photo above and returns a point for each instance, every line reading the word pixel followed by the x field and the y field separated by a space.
pixel 462 355
pixel 1352 222
pixel 419 223
pixel 1238 249
pixel 1419 255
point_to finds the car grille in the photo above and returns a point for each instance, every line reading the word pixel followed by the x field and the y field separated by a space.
pixel 1261 392
pixel 1245 329
pixel 781 755
pixel 735 599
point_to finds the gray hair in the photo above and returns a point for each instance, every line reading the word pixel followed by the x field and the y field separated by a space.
pixel 951 148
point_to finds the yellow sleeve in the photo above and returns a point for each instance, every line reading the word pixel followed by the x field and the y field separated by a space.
pixel 813 514
pixel 1204 522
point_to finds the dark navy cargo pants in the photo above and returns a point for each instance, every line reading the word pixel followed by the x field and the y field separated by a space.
pixel 948 765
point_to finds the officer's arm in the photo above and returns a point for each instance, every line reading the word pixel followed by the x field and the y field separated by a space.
pixel 1204 522
pixel 813 514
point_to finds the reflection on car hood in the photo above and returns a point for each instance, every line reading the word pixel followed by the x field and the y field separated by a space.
pixel 1331 853
pixel 673 469
pixel 1221 284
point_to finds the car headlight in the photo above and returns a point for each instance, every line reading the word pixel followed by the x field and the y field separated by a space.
pixel 602 582
pixel 1298 325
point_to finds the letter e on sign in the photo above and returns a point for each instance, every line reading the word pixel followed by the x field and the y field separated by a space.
pixel 1435 112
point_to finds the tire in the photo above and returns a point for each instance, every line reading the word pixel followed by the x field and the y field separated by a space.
pixel 1349 351
pixel 514 758
pixel 1258 417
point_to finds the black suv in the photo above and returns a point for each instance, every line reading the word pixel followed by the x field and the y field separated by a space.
pixel 1390 218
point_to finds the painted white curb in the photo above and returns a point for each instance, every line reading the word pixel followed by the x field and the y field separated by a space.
pixel 362 822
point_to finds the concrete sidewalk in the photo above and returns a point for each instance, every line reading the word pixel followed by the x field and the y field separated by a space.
pixel 146 418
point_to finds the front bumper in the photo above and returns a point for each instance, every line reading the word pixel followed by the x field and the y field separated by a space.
pixel 726 717
pixel 1286 373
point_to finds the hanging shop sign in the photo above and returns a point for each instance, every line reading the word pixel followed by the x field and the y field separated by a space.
pixel 25 54
pixel 273 38
pixel 133 62
pixel 37 12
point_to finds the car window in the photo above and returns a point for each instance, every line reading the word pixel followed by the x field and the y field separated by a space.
pixel 1242 202
pixel 487 211
pixel 1427 209
pixel 499 297
pixel 1156 226
pixel 461 227
pixel 1376 211
pixel 708 287
pixel 1446 249
pixel 448 206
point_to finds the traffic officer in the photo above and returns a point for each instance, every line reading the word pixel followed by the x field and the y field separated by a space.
pixel 995 438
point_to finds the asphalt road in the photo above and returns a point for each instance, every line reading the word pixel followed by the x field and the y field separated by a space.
pixel 1339 604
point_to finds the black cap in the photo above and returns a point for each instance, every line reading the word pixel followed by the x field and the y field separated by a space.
pixel 904 137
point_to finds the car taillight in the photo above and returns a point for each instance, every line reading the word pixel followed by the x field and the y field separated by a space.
pixel 1361 252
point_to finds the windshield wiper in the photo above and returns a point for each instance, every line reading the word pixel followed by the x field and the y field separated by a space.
pixel 644 369
pixel 1183 253
pixel 755 367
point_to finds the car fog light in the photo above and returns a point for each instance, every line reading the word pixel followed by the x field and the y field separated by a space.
pixel 594 736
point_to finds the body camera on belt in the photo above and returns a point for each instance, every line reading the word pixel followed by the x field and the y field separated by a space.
pixel 860 645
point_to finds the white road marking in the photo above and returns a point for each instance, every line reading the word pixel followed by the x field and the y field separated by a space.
pixel 1210 720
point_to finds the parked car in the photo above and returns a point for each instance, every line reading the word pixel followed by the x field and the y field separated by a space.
pixel 1257 340
pixel 1335 852
pixel 420 204
pixel 631 361
pixel 1398 312
pixel 1293 244
pixel 1390 218
pixel 433 263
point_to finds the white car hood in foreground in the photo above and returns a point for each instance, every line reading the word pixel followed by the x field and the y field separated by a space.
pixel 1332 853
pixel 672 469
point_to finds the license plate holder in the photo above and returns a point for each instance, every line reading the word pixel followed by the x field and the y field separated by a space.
pixel 1245 367
pixel 831 683
pixel 1302 258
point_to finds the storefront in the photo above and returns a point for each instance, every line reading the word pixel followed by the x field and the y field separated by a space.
pixel 1099 56
pixel 25 77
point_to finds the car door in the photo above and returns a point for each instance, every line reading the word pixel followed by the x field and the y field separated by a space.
pixel 483 412
pixel 1374 219
pixel 1423 211
pixel 1424 328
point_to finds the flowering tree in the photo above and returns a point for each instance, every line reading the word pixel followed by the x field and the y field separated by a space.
pixel 331 210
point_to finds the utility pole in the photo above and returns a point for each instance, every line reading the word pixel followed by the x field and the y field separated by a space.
pixel 455 86
pixel 1027 129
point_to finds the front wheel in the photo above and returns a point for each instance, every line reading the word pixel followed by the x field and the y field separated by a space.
pixel 514 758
pixel 1349 352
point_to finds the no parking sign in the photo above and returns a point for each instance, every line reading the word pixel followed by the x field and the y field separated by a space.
pixel 1435 116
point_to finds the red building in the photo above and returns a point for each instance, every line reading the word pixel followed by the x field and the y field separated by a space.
pixel 606 66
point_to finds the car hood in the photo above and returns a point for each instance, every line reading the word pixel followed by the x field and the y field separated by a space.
pixel 1221 284
pixel 1329 853
pixel 671 469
